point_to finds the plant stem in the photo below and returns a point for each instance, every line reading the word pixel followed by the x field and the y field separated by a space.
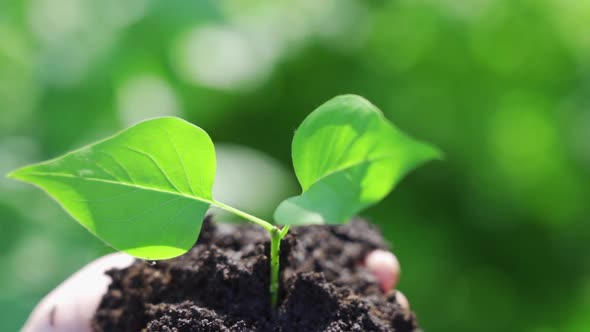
pixel 263 223
pixel 276 235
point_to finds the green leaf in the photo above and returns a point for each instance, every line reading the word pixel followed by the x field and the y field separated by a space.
pixel 347 156
pixel 143 191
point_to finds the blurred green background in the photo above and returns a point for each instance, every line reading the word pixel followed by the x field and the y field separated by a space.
pixel 496 238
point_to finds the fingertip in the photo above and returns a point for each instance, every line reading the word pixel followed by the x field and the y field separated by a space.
pixel 386 268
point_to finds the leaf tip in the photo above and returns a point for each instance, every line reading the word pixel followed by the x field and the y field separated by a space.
pixel 437 154
pixel 15 175
pixel 19 174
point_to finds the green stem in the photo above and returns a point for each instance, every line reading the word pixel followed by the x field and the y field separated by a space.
pixel 276 235
pixel 263 223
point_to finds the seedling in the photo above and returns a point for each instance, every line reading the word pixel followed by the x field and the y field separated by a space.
pixel 145 190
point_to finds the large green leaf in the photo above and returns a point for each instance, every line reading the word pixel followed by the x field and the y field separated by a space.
pixel 347 156
pixel 143 191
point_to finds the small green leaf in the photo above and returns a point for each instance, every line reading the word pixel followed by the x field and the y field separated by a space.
pixel 143 191
pixel 347 156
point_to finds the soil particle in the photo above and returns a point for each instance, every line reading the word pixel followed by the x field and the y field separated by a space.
pixel 222 285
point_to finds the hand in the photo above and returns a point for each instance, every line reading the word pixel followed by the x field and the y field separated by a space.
pixel 385 266
pixel 70 306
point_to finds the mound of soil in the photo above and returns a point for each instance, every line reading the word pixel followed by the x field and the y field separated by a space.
pixel 222 285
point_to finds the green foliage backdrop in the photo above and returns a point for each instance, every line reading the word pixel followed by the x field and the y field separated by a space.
pixel 496 238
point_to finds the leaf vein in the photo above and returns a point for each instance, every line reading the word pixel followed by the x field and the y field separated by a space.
pixel 104 169
pixel 347 167
pixel 133 185
pixel 155 162
pixel 186 176
pixel 118 164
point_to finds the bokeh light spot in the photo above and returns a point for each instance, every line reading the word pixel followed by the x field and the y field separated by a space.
pixel 146 96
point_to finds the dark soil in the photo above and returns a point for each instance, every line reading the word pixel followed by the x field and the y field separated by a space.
pixel 222 285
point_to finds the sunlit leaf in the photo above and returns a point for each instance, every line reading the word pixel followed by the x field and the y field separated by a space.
pixel 347 156
pixel 143 191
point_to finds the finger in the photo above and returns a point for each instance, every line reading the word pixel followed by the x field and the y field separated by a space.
pixel 70 306
pixel 385 266
pixel 403 302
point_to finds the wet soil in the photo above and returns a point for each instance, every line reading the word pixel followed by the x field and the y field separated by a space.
pixel 222 285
